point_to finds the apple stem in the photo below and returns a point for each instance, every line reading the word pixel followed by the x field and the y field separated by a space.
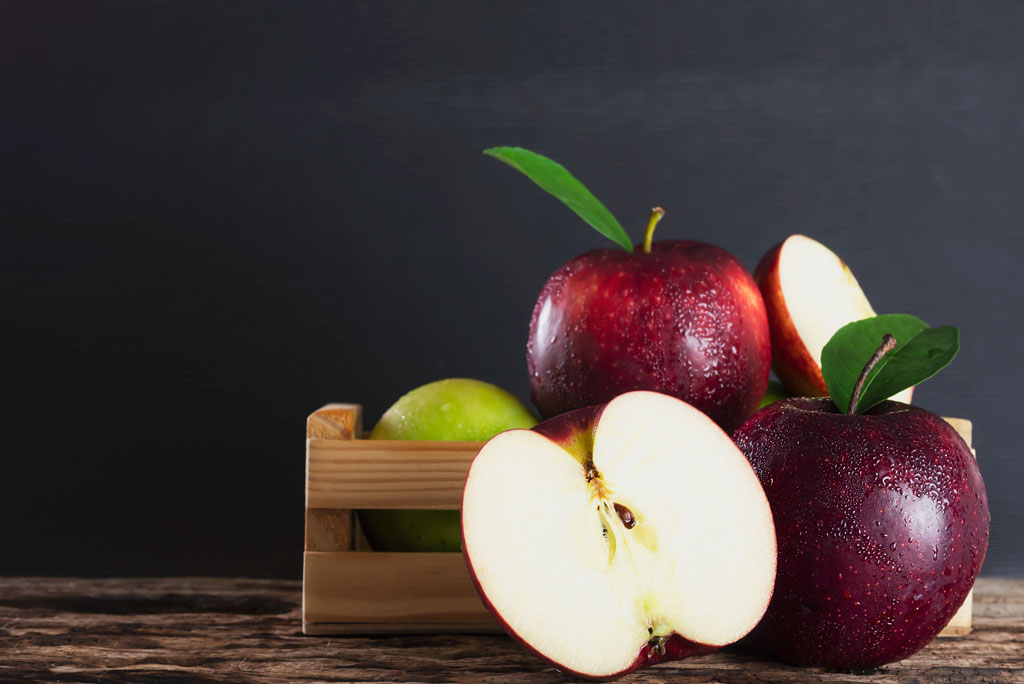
pixel 888 344
pixel 652 221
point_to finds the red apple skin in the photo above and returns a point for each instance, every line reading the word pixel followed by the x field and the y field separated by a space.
pixel 796 368
pixel 574 432
pixel 685 319
pixel 882 524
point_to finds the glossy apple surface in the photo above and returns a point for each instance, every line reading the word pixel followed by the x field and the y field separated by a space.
pixel 809 294
pixel 685 319
pixel 457 410
pixel 618 536
pixel 882 523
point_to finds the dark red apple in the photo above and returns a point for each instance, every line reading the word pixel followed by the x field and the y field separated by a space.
pixel 882 523
pixel 679 317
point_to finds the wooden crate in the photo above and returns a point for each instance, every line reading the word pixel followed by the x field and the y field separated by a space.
pixel 349 589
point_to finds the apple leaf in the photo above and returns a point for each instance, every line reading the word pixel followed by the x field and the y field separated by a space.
pixel 556 179
pixel 920 353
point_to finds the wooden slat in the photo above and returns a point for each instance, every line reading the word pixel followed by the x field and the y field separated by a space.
pixel 960 624
pixel 379 628
pixel 358 592
pixel 387 474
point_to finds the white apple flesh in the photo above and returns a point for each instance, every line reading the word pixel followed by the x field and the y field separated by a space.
pixel 809 294
pixel 619 536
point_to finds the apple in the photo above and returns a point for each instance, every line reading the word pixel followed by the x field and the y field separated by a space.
pixel 456 409
pixel 882 522
pixel 680 317
pixel 619 536
pixel 809 294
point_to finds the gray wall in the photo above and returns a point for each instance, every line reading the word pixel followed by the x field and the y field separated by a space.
pixel 216 216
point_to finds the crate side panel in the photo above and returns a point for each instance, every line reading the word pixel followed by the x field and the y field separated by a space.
pixel 391 588
pixel 387 474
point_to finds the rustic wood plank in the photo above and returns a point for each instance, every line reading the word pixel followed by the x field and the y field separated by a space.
pixel 241 630
pixel 387 474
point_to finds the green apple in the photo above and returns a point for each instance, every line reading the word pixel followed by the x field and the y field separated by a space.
pixel 774 393
pixel 453 410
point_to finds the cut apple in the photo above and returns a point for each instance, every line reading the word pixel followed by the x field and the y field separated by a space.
pixel 810 294
pixel 619 536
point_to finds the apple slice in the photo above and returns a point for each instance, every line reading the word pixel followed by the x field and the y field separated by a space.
pixel 618 536
pixel 810 294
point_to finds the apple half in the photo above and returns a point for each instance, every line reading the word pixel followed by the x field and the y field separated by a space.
pixel 809 294
pixel 619 536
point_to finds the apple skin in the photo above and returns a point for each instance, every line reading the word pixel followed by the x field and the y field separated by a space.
pixel 882 524
pixel 798 370
pixel 456 410
pixel 686 319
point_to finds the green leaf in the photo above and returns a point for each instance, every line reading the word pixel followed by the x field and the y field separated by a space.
pixel 556 179
pixel 920 353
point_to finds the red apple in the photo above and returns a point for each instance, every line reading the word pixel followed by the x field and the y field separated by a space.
pixel 619 536
pixel 809 294
pixel 882 521
pixel 679 317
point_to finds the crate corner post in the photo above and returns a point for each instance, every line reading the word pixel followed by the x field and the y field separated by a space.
pixel 328 530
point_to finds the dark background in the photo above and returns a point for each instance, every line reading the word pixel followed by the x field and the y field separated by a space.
pixel 215 217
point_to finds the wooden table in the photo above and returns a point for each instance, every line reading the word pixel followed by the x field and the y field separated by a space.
pixel 243 630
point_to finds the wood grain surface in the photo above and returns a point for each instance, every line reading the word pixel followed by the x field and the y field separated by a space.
pixel 387 474
pixel 379 592
pixel 245 630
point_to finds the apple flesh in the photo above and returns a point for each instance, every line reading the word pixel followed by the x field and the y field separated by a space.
pixel 619 536
pixel 809 294
pixel 457 410
pixel 685 319
pixel 882 521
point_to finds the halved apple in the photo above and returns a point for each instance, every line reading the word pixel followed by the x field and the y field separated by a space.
pixel 809 294
pixel 618 536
